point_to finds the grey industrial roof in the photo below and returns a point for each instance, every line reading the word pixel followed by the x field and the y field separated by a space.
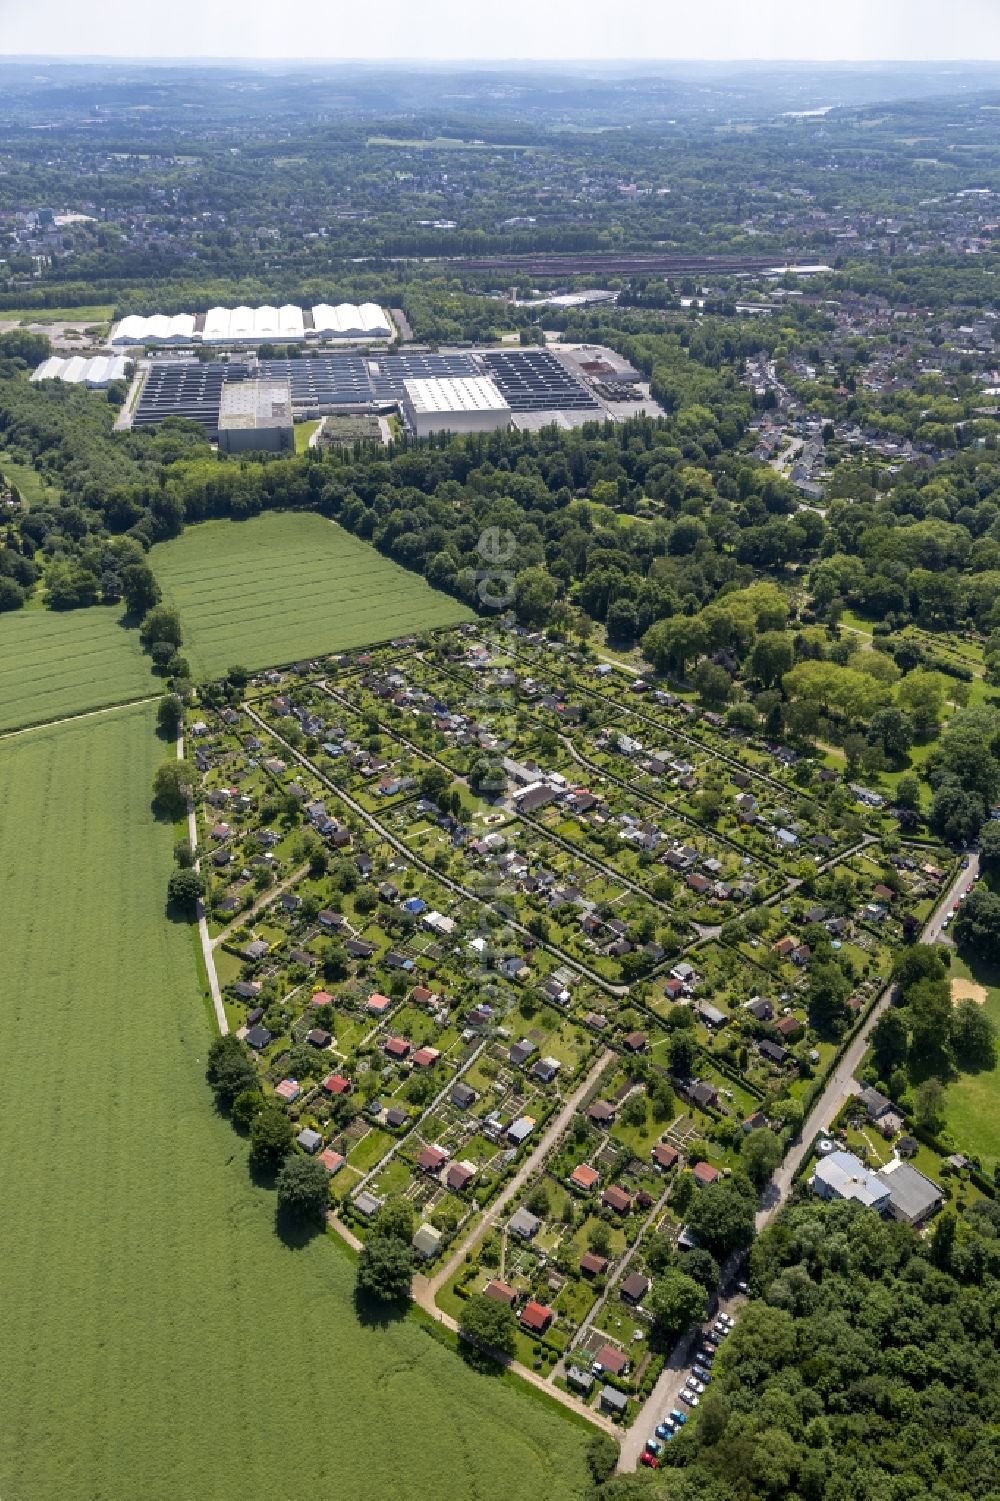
pixel 913 1196
pixel 474 393
pixel 255 404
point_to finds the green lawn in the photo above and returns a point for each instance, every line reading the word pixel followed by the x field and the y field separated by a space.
pixel 55 663
pixel 29 484
pixel 288 585
pixel 159 1340
pixel 303 432
pixel 972 1101
pixel 94 313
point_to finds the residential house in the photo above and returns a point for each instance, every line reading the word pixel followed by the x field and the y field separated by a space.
pixel 634 1288
pixel 841 1175
pixel 913 1198
pixel 524 1224
pixel 432 1159
pixel 427 1241
pixel 536 1317
pixel 613 1402
pixel 584 1177
pixel 611 1361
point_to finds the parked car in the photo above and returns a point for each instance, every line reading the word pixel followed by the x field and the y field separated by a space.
pixel 702 1373
pixel 678 1416
pixel 706 1356
pixel 727 1319
pixel 665 1429
pixel 689 1398
pixel 653 1446
pixel 696 1385
pixel 721 1329
pixel 649 1460
pixel 743 1287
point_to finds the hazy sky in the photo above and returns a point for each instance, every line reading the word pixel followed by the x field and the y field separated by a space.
pixel 852 30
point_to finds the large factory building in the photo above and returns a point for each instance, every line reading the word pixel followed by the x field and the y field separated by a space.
pixel 470 404
pixel 241 326
pixel 256 414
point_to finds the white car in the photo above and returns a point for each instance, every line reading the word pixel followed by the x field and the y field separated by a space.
pixel 696 1386
pixel 689 1398
pixel 727 1319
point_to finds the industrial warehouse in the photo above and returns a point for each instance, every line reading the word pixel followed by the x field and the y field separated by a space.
pixel 458 391
pixel 97 372
pixel 288 324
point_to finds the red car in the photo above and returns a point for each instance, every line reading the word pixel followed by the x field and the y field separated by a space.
pixel 650 1460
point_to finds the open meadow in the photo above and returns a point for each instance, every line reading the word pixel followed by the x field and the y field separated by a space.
pixel 56 663
pixel 30 485
pixel 159 1340
pixel 972 1101
pixel 283 586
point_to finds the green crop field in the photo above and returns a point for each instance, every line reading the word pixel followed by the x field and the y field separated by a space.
pixel 159 1340
pixel 285 586
pixel 56 663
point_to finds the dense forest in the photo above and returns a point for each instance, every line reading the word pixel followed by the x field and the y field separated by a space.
pixel 865 1368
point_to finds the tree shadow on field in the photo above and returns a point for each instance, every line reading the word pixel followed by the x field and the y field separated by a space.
pixel 179 912
pixel 483 1362
pixel 376 1313
pixel 295 1233
pixel 262 1175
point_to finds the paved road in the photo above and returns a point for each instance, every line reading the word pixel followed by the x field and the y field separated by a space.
pixel 667 1389
pixel 840 1085
pixel 841 1082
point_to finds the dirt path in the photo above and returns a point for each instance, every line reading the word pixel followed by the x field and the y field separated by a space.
pixel 50 724
pixel 422 1295
pixel 206 942
pixel 265 900
pixel 404 849
pixel 548 1139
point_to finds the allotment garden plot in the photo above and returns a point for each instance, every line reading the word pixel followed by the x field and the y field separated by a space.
pixel 284 586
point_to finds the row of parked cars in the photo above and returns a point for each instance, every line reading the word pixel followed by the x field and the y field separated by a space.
pixel 693 1391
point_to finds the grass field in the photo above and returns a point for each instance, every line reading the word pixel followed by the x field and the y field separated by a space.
pixel 972 1101
pixel 288 585
pixel 29 483
pixel 159 1340
pixel 93 313
pixel 303 432
pixel 56 663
